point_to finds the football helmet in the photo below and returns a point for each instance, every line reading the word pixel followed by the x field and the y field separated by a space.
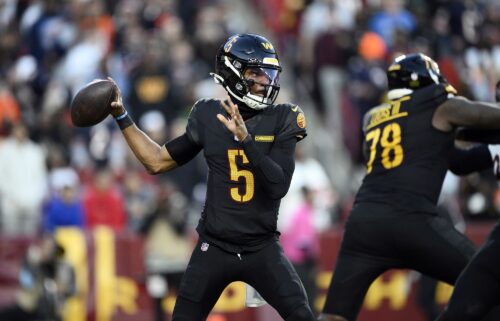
pixel 240 53
pixel 413 71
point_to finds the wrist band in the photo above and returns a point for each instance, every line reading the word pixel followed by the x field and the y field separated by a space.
pixel 124 120
pixel 125 114
pixel 247 139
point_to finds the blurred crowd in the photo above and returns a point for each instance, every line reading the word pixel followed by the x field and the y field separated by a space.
pixel 160 52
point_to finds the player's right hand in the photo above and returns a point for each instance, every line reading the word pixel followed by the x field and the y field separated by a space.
pixel 235 122
pixel 117 108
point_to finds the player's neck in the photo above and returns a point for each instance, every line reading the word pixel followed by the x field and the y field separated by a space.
pixel 245 111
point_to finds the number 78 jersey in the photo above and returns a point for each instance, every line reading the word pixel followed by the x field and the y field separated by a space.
pixel 406 157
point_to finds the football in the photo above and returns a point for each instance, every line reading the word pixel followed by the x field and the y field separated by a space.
pixel 92 103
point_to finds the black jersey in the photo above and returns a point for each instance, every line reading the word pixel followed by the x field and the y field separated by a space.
pixel 407 158
pixel 238 214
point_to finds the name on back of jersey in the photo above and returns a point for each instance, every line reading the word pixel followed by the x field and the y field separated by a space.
pixel 385 112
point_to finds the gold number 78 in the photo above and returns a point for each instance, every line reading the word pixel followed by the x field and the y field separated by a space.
pixel 390 140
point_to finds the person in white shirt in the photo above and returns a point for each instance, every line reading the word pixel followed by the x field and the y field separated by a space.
pixel 23 183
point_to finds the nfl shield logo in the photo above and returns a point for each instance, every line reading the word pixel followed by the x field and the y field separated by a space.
pixel 204 246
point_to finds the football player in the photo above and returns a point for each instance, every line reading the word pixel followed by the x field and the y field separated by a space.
pixel 248 143
pixel 477 292
pixel 394 221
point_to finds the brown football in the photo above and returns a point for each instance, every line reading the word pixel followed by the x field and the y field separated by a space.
pixel 92 103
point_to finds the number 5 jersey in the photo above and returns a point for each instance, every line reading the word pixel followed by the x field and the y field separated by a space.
pixel 239 213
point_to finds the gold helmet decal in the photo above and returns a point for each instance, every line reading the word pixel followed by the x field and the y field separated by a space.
pixel 267 45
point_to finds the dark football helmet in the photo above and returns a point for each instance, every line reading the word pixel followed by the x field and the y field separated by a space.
pixel 240 53
pixel 414 71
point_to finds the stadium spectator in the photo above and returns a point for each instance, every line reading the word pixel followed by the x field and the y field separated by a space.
pixel 9 109
pixel 310 174
pixel 103 202
pixel 140 199
pixel 24 182
pixel 167 244
pixel 65 205
pixel 390 19
pixel 301 243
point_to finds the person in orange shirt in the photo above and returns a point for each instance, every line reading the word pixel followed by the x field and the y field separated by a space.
pixel 9 109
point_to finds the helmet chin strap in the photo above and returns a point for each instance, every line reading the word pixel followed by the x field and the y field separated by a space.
pixel 252 103
pixel 248 100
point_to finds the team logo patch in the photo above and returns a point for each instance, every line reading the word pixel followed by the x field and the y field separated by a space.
pixel 204 246
pixel 301 120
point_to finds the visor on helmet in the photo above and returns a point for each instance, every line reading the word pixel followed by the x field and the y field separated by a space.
pixel 262 75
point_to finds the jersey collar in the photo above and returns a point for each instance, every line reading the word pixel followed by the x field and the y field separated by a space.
pixel 398 93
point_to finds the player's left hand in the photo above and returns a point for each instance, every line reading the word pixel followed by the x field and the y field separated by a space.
pixel 117 108
pixel 235 122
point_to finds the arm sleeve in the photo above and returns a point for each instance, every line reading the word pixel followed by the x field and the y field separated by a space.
pixel 463 162
pixel 274 171
pixel 182 149
pixel 487 136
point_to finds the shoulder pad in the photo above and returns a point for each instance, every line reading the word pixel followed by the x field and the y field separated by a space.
pixel 195 120
pixel 202 103
pixel 432 96
pixel 294 121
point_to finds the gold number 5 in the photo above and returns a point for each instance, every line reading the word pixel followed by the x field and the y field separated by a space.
pixel 390 141
pixel 236 174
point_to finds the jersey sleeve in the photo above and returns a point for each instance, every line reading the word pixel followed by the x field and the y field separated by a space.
pixel 194 125
pixel 486 136
pixel 294 124
pixel 466 161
